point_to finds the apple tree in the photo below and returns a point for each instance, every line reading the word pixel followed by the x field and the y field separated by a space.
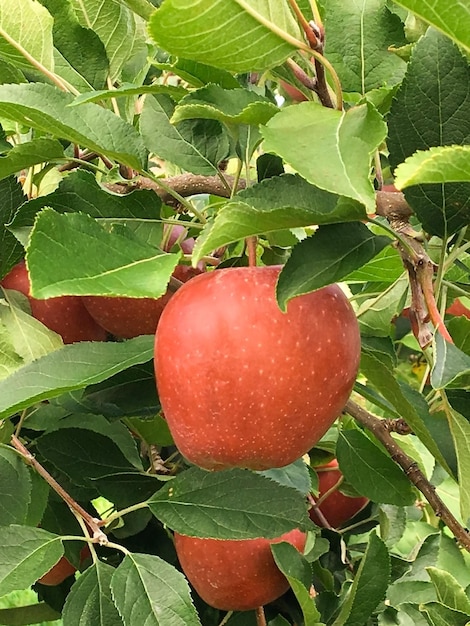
pixel 235 312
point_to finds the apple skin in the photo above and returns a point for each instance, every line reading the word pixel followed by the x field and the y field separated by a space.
pixel 241 383
pixel 235 575
pixel 129 317
pixel 458 309
pixel 65 315
pixel 62 569
pixel 337 508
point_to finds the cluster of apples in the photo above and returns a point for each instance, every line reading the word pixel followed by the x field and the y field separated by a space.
pixel 91 318
pixel 243 384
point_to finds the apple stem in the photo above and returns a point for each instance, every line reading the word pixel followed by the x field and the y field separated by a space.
pixel 325 523
pixel 226 617
pixel 251 243
pixel 92 522
pixel 411 469
pixel 260 617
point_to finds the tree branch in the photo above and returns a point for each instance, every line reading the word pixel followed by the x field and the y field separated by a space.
pixel 411 469
pixel 185 185
pixel 92 522
pixel 420 267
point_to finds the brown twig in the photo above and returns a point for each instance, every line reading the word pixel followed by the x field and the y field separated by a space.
pixel 185 185
pixel 92 522
pixel 260 617
pixel 411 469
pixel 398 426
pixel 418 264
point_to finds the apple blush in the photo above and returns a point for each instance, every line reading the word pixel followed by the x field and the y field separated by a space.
pixel 337 508
pixel 243 384
pixel 235 575
pixel 65 315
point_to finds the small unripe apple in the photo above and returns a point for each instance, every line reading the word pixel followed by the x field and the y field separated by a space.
pixel 337 508
pixel 235 575
pixel 129 317
pixel 243 384
pixel 63 569
pixel 65 315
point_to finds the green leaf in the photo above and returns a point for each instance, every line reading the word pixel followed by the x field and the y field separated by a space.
pixel 392 521
pixel 295 475
pixel 439 615
pixel 375 314
pixel 277 203
pixel 370 471
pixel 90 600
pixel 100 454
pixel 29 338
pixel 448 590
pixel 385 267
pixel 27 554
pixel 116 26
pixel 143 8
pixel 26 33
pixel 80 192
pixel 460 429
pixel 31 153
pixel 452 17
pixel 15 488
pixel 230 106
pixel 318 261
pixel 362 59
pixel 436 81
pixel 199 74
pixel 85 259
pixel 150 591
pixel 196 146
pixel 408 403
pixel 80 47
pixel 11 251
pixel 449 164
pixel 47 109
pixel 345 141
pixel 265 32
pixel 451 365
pixel 39 497
pixel 128 89
pixel 298 572
pixel 369 586
pixel 31 614
pixel 72 367
pixel 233 504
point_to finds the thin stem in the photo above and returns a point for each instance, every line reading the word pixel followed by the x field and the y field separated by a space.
pixel 58 82
pixel 392 232
pixel 118 514
pixel 86 533
pixel 226 617
pixel 251 243
pixel 92 522
pixel 117 546
pixel 301 75
pixel 347 529
pixel 312 40
pixel 20 423
pixel 411 469
pixel 260 617
pixel 188 205
pixel 113 100
pixel 316 14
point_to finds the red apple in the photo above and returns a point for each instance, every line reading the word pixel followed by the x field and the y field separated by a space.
pixel 458 309
pixel 241 383
pixel 235 575
pixel 130 317
pixel 66 315
pixel 294 94
pixel 337 508
pixel 63 569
